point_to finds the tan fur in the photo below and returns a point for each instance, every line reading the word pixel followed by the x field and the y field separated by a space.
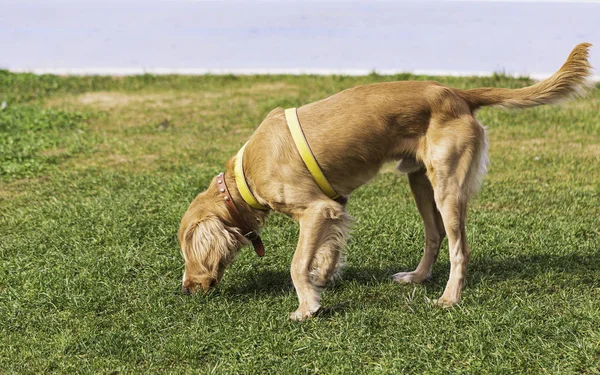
pixel 430 128
pixel 571 79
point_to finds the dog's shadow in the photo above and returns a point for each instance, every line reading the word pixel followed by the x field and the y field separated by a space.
pixel 578 271
pixel 262 282
pixel 583 270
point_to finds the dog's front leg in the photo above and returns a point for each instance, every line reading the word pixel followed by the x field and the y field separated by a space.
pixel 322 228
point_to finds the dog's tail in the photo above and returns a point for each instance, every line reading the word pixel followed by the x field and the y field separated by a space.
pixel 571 79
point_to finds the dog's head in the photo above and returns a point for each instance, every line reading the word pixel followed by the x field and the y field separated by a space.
pixel 208 245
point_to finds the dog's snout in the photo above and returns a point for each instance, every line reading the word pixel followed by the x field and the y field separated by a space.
pixel 185 290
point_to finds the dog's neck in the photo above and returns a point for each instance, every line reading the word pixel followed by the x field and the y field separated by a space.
pixel 254 218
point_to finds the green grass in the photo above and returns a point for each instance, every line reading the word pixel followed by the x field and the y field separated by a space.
pixel 96 172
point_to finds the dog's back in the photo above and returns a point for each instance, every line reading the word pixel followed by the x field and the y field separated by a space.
pixel 362 127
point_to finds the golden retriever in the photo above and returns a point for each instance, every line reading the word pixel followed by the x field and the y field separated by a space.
pixel 430 128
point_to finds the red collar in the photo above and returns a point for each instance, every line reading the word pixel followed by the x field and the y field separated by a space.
pixel 238 220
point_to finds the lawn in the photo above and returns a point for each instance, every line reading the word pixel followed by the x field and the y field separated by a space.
pixel 96 172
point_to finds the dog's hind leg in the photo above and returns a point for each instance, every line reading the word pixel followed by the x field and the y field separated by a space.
pixel 323 227
pixel 455 168
pixel 434 228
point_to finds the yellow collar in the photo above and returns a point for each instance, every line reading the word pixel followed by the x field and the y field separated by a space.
pixel 242 185
pixel 291 115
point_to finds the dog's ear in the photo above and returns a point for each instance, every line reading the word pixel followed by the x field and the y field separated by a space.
pixel 208 243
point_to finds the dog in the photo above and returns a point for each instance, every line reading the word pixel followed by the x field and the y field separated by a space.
pixel 429 128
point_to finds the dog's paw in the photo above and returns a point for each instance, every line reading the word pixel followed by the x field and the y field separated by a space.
pixel 410 278
pixel 303 314
pixel 441 302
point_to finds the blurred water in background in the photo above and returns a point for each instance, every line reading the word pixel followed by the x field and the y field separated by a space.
pixel 351 37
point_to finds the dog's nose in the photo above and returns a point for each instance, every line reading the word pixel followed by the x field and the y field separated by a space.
pixel 185 290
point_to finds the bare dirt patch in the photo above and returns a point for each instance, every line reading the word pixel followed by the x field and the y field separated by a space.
pixel 110 100
pixel 18 187
pixel 54 152
pixel 272 87
pixel 106 100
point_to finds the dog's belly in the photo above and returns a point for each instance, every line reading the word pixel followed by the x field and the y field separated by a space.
pixel 355 166
pixel 409 165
